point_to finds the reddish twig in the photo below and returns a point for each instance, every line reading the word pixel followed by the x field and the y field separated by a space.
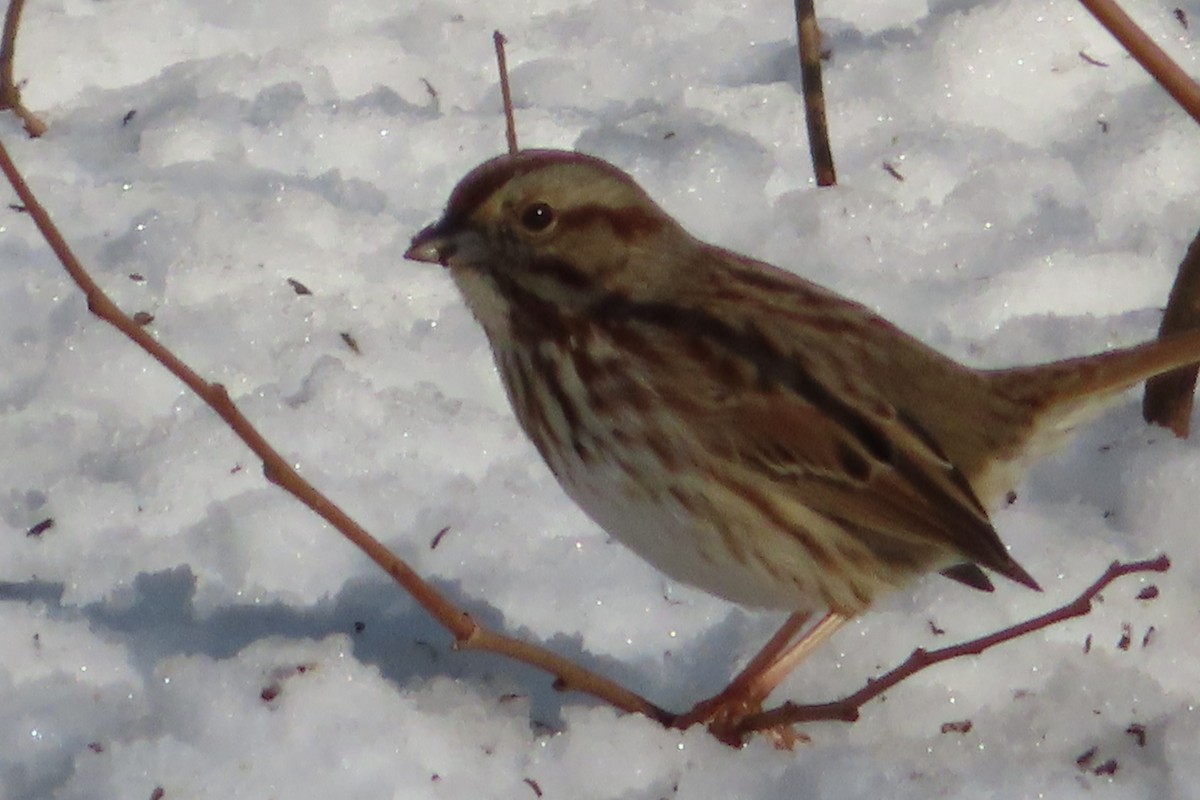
pixel 510 124
pixel 1152 58
pixel 10 95
pixel 808 42
pixel 847 709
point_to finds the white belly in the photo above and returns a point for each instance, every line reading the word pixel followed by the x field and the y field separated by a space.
pixel 689 548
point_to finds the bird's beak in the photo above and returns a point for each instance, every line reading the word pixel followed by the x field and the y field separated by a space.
pixel 433 245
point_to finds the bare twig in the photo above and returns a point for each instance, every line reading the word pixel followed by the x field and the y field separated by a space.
pixel 510 125
pixel 847 709
pixel 1169 398
pixel 808 41
pixel 1152 58
pixel 10 95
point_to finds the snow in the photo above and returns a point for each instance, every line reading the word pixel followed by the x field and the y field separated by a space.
pixel 185 625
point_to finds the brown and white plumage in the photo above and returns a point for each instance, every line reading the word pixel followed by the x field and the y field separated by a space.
pixel 743 429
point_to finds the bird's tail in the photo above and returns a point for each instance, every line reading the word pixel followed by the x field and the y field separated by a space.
pixel 1088 379
pixel 1061 395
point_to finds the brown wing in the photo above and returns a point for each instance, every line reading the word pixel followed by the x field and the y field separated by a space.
pixel 735 353
pixel 905 501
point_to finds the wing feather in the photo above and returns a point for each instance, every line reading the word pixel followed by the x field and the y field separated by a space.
pixel 912 501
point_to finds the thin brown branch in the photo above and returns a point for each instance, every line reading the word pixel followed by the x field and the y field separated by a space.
pixel 808 41
pixel 1152 58
pixel 8 46
pixel 1169 398
pixel 10 95
pixel 510 124
pixel 847 709
pixel 466 632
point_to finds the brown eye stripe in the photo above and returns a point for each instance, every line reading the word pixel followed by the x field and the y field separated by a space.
pixel 627 222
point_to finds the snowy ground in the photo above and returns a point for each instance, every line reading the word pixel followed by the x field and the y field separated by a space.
pixel 184 625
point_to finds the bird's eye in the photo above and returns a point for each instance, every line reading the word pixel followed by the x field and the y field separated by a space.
pixel 537 217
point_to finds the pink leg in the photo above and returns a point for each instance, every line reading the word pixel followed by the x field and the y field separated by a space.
pixel 766 670
pixel 775 673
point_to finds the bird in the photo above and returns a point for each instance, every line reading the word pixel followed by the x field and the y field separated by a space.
pixel 743 429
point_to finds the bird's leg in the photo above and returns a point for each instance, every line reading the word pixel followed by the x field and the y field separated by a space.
pixel 774 662
pixel 775 672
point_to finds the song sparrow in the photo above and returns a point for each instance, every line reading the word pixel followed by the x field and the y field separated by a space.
pixel 742 429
